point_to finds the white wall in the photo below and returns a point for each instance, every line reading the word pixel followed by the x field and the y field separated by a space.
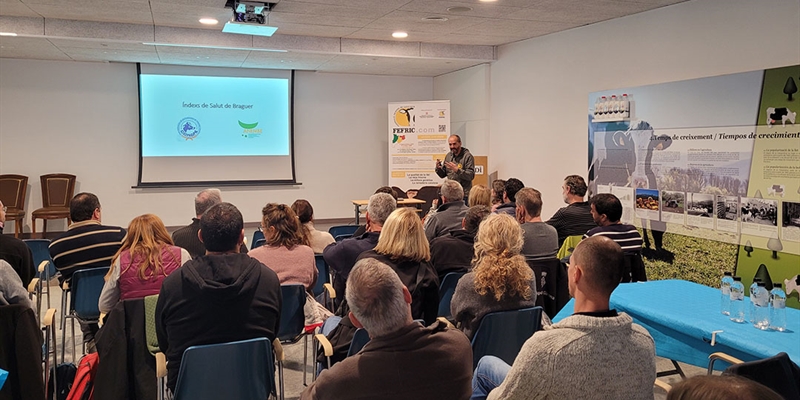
pixel 83 118
pixel 540 87
pixel 468 92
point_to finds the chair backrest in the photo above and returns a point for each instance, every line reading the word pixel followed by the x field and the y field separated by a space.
pixel 292 317
pixel 57 189
pixel 552 287
pixel 568 246
pixel 238 370
pixel 399 193
pixel 502 334
pixel 150 323
pixel 257 235
pixel 12 191
pixel 41 252
pixel 427 193
pixel 339 238
pixel 446 290
pixel 633 270
pixel 258 243
pixel 342 230
pixel 360 339
pixel 323 275
pixel 85 292
pixel 778 373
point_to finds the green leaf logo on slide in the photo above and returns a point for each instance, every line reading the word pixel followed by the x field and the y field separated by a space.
pixel 245 125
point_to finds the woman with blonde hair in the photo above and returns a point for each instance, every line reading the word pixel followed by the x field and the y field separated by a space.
pixel 403 247
pixel 287 252
pixel 500 279
pixel 146 257
pixel 480 195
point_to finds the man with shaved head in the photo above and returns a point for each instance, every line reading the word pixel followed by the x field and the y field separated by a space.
pixel 596 353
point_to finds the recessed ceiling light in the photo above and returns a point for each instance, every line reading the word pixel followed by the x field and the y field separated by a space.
pixel 457 9
pixel 8 34
pixel 435 18
pixel 399 35
pixel 208 21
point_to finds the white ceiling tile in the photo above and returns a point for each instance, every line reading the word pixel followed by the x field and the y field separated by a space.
pixel 386 34
pixel 36 48
pixel 359 46
pixel 355 21
pixel 131 13
pixel 180 15
pixel 16 8
pixel 330 9
pixel 220 4
pixel 201 37
pixel 260 59
pixel 363 4
pixel 477 40
pixel 293 42
pixel 22 25
pixel 413 22
pixel 482 10
pixel 314 30
pixel 518 28
pixel 101 45
pixel 98 30
pixel 438 50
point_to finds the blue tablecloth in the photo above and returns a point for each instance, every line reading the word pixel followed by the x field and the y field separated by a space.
pixel 681 315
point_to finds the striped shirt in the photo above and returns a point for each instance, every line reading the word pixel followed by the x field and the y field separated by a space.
pixel 572 220
pixel 625 235
pixel 86 244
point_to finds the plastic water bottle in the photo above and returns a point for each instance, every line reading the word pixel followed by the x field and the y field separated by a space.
pixel 737 300
pixel 777 308
pixel 751 310
pixel 725 288
pixel 761 306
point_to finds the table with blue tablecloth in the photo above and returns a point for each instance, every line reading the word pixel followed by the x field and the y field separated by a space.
pixel 682 316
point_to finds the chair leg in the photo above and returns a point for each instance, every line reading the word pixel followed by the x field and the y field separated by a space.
pixel 280 380
pixel 44 227
pixel 72 328
pixel 33 227
pixel 63 339
pixel 305 359
pixel 18 227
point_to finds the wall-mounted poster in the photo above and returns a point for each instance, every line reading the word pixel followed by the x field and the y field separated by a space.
pixel 731 143
pixel 418 132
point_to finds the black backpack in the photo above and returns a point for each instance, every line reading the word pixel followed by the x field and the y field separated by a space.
pixel 65 375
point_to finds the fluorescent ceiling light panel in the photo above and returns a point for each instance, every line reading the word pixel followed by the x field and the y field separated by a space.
pixel 249 29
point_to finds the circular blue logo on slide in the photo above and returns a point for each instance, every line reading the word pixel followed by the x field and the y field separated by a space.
pixel 189 128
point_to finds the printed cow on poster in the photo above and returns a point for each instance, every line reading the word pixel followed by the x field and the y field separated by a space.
pixel 782 114
pixel 792 284
pixel 775 190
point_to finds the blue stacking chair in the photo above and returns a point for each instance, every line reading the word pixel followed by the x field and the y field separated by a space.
pixel 257 235
pixel 84 293
pixel 243 370
pixel 45 268
pixel 446 290
pixel 293 320
pixel 344 231
pixel 502 333
pixel 259 243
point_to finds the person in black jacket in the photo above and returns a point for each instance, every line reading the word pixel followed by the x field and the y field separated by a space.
pixel 453 252
pixel 221 297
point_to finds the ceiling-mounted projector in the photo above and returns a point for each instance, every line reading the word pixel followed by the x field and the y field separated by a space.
pixel 249 18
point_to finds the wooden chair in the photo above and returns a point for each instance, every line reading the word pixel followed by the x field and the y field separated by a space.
pixel 57 191
pixel 12 193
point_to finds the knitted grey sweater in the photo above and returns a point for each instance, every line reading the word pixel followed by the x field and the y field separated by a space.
pixel 584 357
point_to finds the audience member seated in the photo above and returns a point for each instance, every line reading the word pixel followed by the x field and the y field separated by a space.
pixel 362 229
pixel 85 244
pixel 16 253
pixel 576 218
pixel 510 189
pixel 721 387
pixel 186 237
pixel 316 239
pixel 480 196
pixel 221 297
pixel 453 252
pixel 341 256
pixel 11 289
pixel 498 189
pixel 607 210
pixel 287 253
pixel 449 215
pixel 540 239
pixel 596 353
pixel 403 247
pixel 500 279
pixel 403 359
pixel 146 257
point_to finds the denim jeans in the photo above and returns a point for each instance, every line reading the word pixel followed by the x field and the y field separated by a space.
pixel 489 374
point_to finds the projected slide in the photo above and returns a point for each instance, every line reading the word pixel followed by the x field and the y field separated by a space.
pixel 222 126
pixel 214 116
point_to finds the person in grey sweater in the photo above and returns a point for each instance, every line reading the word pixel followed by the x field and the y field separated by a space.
pixel 540 241
pixel 449 215
pixel 596 353
pixel 11 289
pixel 500 279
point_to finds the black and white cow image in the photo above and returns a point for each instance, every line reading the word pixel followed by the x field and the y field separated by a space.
pixel 782 114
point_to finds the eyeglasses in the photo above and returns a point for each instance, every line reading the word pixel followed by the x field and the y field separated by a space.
pixel 5 208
